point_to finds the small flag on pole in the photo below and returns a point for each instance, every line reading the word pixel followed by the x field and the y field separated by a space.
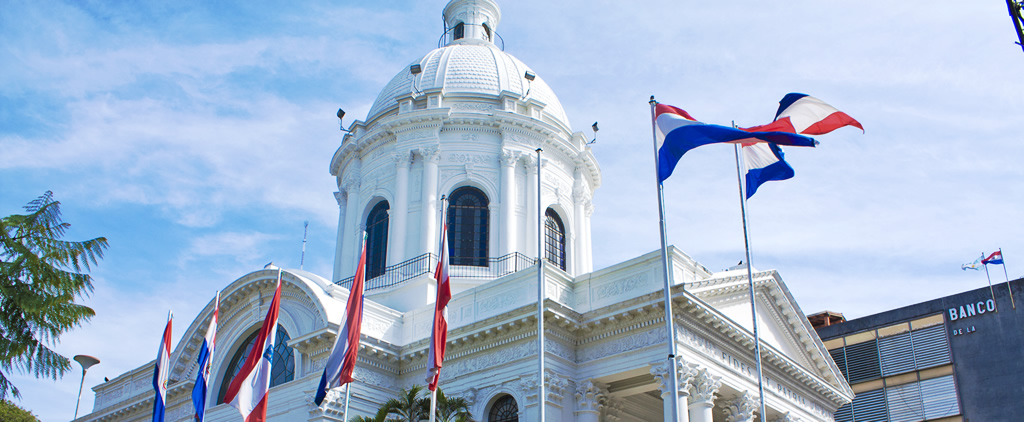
pixel 439 335
pixel 248 391
pixel 996 258
pixel 676 132
pixel 199 391
pixel 160 372
pixel 976 265
pixel 342 361
pixel 798 113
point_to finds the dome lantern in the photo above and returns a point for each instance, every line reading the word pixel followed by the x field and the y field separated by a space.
pixel 471 21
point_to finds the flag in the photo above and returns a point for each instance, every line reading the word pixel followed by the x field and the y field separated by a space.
pixel 439 335
pixel 995 259
pixel 160 372
pixel 248 390
pixel 797 113
pixel 342 360
pixel 804 114
pixel 676 132
pixel 976 265
pixel 199 391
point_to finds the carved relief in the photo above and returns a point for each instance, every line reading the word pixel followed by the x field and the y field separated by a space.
pixel 402 159
pixel 704 386
pixel 620 287
pixel 416 134
pixel 469 137
pixel 624 344
pixel 474 106
pixel 498 302
pixel 471 158
pixel 739 409
pixel 431 154
pixel 509 158
pixel 590 396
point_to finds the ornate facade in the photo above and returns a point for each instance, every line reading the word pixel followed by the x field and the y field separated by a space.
pixel 464 122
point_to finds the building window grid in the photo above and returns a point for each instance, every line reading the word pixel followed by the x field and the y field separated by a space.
pixel 849 412
pixel 554 239
pixel 504 409
pixel 468 225
pixel 283 366
pixel 377 240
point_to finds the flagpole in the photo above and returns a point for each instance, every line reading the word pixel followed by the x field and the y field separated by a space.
pixel 669 323
pixel 433 405
pixel 540 292
pixel 440 250
pixel 750 279
pixel 348 388
pixel 993 292
pixel 1007 275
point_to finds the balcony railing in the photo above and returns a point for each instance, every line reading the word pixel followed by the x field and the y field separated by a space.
pixel 425 264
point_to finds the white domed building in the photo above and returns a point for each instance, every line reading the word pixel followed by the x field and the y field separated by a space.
pixel 464 123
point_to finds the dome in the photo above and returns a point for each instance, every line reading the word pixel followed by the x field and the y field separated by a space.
pixel 469 69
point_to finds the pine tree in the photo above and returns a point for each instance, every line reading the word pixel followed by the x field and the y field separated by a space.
pixel 41 275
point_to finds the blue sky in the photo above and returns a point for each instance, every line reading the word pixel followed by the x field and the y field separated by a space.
pixel 196 137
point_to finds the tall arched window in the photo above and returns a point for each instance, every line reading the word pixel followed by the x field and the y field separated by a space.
pixel 487 32
pixel 468 216
pixel 554 239
pixel 282 368
pixel 459 32
pixel 377 240
pixel 504 410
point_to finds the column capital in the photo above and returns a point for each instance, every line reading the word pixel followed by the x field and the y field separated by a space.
pixel 788 417
pixel 704 386
pixel 341 198
pixel 740 408
pixel 431 154
pixel 684 371
pixel 509 158
pixel 531 163
pixel 402 159
pixel 590 396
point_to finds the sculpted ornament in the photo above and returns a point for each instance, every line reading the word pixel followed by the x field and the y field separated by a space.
pixel 509 158
pixel 431 154
pixel 704 386
pixel 590 396
pixel 788 417
pixel 739 409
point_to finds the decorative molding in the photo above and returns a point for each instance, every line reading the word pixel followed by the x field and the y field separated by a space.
pixel 590 396
pixel 509 158
pixel 474 107
pixel 471 158
pixel 622 286
pixel 625 344
pixel 430 154
pixel 402 159
pixel 341 198
pixel 704 386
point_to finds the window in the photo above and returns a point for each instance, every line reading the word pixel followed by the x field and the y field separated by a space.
pixel 282 368
pixel 487 32
pixel 504 410
pixel 377 240
pixel 554 239
pixel 468 216
pixel 459 32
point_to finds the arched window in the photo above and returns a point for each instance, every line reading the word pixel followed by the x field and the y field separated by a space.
pixel 504 410
pixel 459 32
pixel 468 216
pixel 282 368
pixel 487 32
pixel 554 239
pixel 377 240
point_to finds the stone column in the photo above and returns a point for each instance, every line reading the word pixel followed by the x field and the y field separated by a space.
pixel 702 395
pixel 579 197
pixel 739 409
pixel 685 373
pixel 342 205
pixel 590 399
pixel 531 205
pixel 353 220
pixel 400 209
pixel 507 221
pixel 428 229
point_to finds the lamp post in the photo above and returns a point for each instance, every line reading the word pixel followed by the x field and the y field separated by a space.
pixel 86 361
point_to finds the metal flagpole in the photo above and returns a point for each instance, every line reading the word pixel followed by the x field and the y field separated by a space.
pixel 993 292
pixel 1007 275
pixel 669 322
pixel 540 292
pixel 433 405
pixel 440 250
pixel 348 388
pixel 750 279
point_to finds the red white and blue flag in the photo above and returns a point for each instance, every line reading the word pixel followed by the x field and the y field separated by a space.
pixel 199 391
pixel 342 361
pixel 995 259
pixel 439 334
pixel 676 132
pixel 248 391
pixel 798 113
pixel 160 372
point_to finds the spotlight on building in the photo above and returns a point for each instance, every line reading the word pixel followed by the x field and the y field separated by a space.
pixel 530 76
pixel 86 361
pixel 415 69
pixel 594 127
pixel 341 124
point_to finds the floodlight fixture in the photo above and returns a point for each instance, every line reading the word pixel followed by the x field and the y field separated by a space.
pixel 594 127
pixel 415 69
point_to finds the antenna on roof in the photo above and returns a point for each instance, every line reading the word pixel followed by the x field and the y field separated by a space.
pixel 1015 15
pixel 302 260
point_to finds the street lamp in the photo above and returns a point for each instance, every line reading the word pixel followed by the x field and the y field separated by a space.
pixel 86 361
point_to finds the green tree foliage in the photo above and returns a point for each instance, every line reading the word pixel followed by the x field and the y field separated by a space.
pixel 41 275
pixel 10 412
pixel 451 409
pixel 413 405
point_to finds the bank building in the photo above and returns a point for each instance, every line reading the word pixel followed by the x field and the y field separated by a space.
pixel 463 122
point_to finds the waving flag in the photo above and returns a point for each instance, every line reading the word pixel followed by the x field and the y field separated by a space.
pixel 995 259
pixel 248 390
pixel 976 265
pixel 439 335
pixel 676 132
pixel 342 361
pixel 199 391
pixel 160 372
pixel 798 113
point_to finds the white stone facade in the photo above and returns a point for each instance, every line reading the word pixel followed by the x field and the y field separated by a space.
pixel 470 116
